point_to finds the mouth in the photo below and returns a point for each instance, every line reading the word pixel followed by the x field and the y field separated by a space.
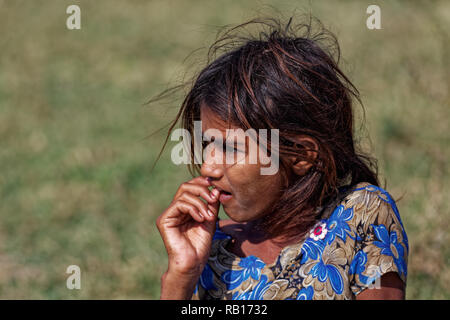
pixel 224 196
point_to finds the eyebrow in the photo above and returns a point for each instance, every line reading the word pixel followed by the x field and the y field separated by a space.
pixel 205 135
pixel 237 142
pixel 231 144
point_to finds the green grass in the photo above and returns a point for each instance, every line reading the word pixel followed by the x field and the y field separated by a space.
pixel 75 182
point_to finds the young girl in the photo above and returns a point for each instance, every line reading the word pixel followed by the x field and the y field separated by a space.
pixel 320 227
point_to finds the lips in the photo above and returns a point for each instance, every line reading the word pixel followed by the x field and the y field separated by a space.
pixel 224 195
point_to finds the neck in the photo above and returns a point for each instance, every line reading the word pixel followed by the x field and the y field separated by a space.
pixel 257 234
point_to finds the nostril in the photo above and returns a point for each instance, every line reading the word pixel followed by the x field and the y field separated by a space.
pixel 213 173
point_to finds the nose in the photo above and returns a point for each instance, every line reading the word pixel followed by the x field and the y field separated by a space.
pixel 211 168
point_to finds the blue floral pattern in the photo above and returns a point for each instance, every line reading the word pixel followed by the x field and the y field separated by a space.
pixel 390 246
pixel 250 267
pixel 328 272
pixel 257 293
pixel 337 224
pixel 305 294
pixel 344 253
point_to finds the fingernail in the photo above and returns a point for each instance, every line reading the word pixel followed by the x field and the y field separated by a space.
pixel 210 213
pixel 206 213
pixel 215 193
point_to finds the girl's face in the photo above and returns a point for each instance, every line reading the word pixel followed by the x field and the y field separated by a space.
pixel 246 193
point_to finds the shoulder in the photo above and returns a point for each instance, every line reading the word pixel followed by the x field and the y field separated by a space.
pixel 371 204
pixel 380 238
pixel 364 191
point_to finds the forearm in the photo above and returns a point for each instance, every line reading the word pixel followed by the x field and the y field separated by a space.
pixel 177 287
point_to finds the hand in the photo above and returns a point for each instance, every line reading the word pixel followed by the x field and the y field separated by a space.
pixel 187 227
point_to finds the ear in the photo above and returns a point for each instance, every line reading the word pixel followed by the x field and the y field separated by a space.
pixel 298 165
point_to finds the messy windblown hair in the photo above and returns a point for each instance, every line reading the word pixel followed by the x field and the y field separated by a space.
pixel 286 77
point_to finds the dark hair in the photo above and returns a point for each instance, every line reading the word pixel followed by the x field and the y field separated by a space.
pixel 287 78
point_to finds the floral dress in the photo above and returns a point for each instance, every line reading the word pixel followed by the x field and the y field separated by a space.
pixel 360 239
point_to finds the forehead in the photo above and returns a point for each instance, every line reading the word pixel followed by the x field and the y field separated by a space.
pixel 211 120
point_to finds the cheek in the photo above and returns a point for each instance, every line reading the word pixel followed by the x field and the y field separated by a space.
pixel 252 187
pixel 270 187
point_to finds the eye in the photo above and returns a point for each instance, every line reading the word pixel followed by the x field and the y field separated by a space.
pixel 222 146
pixel 234 148
pixel 217 145
pixel 228 147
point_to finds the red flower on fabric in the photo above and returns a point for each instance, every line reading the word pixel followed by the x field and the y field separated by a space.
pixel 319 231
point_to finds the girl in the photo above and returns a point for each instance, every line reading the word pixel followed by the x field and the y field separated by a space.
pixel 320 227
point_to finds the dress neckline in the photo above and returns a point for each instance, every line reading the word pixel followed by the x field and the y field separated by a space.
pixel 225 238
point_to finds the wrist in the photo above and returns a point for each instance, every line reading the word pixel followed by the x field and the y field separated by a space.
pixel 184 272
pixel 178 286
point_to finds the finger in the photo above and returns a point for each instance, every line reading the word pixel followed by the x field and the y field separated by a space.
pixel 215 193
pixel 214 207
pixel 201 180
pixel 186 208
pixel 197 190
pixel 214 210
pixel 201 206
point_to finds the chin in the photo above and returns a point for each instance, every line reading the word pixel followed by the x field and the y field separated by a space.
pixel 237 217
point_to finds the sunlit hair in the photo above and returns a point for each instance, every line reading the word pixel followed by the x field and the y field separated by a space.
pixel 286 77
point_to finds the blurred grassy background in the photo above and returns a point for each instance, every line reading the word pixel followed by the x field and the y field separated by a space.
pixel 75 186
